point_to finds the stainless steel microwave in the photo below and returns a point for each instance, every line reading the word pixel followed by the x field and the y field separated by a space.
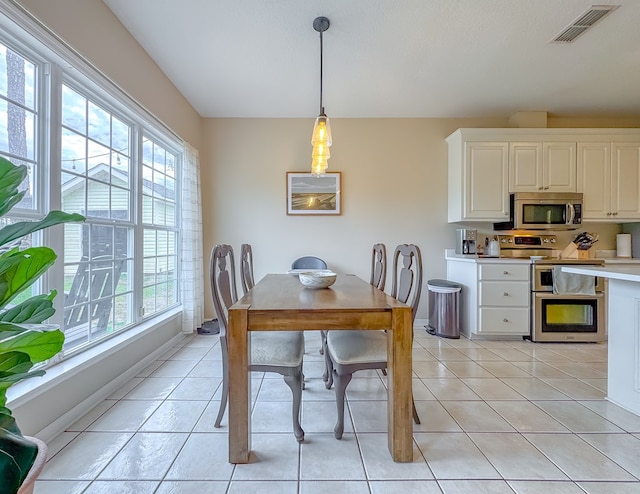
pixel 543 211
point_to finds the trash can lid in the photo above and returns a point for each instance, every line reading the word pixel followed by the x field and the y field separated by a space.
pixel 443 286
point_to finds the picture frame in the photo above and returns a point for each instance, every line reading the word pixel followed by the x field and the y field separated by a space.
pixel 309 195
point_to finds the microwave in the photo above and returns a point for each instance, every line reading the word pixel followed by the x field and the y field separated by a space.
pixel 543 211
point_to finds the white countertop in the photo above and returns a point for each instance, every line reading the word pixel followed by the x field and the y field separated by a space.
pixel 625 273
pixel 450 255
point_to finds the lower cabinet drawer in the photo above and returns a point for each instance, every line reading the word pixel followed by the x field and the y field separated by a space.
pixel 504 320
pixel 504 293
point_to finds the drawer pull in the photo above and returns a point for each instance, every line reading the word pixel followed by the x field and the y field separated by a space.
pixel 505 272
pixel 505 294
pixel 505 320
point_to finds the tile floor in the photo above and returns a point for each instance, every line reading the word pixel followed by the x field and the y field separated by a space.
pixel 497 417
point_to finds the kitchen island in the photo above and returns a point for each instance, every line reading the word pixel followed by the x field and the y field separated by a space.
pixel 623 381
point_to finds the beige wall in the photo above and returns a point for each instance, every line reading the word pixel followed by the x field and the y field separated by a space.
pixel 102 39
pixel 394 190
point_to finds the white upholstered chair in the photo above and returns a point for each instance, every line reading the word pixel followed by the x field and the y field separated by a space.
pixel 271 351
pixel 354 350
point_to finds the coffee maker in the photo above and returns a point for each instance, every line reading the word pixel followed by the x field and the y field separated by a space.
pixel 466 241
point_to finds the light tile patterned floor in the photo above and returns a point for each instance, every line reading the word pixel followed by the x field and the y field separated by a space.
pixel 497 417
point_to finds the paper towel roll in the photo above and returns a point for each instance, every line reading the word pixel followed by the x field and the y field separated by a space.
pixel 623 245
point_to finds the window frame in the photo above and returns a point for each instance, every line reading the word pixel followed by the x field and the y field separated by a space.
pixel 57 64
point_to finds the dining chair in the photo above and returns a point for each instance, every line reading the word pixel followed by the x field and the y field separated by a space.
pixel 271 351
pixel 354 350
pixel 379 266
pixel 378 279
pixel 309 262
pixel 246 268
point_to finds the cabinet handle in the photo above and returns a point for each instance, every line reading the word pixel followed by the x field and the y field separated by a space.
pixel 541 188
pixel 505 294
pixel 546 188
pixel 505 320
pixel 609 213
pixel 505 272
pixel 615 214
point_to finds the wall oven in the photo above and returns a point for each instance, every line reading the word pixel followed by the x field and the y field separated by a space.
pixel 543 211
pixel 565 317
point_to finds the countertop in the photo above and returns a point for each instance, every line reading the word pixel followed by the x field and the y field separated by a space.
pixel 450 255
pixel 625 273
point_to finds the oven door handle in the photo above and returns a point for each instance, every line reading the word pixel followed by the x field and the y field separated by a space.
pixel 569 296
pixel 571 213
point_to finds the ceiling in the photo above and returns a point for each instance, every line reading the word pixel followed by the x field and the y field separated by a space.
pixel 391 58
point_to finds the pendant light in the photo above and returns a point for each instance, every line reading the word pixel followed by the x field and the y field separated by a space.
pixel 321 137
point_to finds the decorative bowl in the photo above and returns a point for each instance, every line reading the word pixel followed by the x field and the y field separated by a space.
pixel 317 279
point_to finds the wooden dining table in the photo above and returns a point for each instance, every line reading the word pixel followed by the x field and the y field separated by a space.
pixel 279 302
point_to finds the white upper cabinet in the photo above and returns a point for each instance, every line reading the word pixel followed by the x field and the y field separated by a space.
pixel 594 179
pixel 478 180
pixel 542 167
pixel 609 178
pixel 485 165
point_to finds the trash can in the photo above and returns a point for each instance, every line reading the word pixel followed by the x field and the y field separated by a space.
pixel 444 308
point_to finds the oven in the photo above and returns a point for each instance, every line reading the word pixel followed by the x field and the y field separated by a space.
pixel 566 317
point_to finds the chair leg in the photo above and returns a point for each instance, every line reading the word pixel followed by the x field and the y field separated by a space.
pixel 323 341
pixel 327 377
pixel 294 381
pixel 416 418
pixel 342 381
pixel 225 387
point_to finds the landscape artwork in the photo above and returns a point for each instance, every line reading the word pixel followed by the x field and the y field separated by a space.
pixel 307 194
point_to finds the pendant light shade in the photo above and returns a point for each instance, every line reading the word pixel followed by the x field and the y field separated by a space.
pixel 321 137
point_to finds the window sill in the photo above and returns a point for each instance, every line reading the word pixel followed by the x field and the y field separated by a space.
pixel 58 373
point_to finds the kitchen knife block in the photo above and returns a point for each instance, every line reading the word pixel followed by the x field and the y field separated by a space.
pixel 571 251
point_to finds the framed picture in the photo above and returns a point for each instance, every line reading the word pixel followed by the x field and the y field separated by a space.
pixel 307 194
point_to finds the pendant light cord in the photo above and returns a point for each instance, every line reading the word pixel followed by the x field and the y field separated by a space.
pixel 321 45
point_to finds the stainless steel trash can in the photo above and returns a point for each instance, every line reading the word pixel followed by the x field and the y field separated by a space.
pixel 444 308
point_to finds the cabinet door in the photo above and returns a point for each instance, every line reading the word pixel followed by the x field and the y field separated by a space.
pixel 487 194
pixel 625 181
pixel 525 167
pixel 559 167
pixel 594 179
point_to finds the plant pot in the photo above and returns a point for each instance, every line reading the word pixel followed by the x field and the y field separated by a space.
pixel 41 458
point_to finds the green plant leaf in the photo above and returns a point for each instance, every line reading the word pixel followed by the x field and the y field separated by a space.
pixel 20 269
pixel 14 362
pixel 39 344
pixel 11 176
pixel 18 230
pixel 34 310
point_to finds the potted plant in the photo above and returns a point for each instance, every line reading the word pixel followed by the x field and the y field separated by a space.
pixel 24 339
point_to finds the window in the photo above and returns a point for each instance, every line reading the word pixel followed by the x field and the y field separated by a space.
pixel 160 226
pixel 104 158
pixel 18 116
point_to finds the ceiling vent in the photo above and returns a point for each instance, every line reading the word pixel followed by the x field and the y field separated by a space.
pixel 584 22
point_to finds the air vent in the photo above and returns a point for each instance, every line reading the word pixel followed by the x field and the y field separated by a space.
pixel 583 23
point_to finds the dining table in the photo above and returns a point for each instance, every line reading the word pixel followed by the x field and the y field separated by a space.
pixel 279 302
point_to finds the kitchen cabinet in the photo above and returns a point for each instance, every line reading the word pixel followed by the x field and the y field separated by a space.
pixel 478 181
pixel 609 177
pixel 495 300
pixel 485 165
pixel 542 167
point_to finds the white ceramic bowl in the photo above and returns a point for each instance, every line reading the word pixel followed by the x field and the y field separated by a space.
pixel 317 279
